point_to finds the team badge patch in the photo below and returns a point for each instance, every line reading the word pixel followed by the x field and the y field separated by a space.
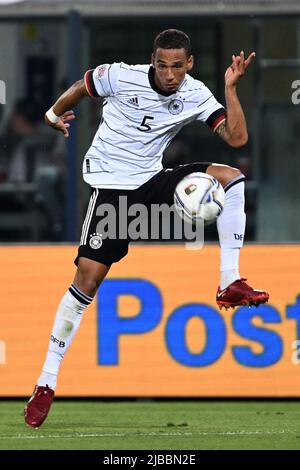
pixel 101 71
pixel 95 241
pixel 175 107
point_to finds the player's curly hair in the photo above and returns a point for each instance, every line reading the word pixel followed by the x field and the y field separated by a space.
pixel 172 39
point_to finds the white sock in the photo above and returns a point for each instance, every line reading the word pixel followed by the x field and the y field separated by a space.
pixel 231 228
pixel 66 323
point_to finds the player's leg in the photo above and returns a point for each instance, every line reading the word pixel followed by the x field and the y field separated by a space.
pixel 89 276
pixel 70 311
pixel 231 223
pixel 233 290
pixel 78 297
pixel 94 259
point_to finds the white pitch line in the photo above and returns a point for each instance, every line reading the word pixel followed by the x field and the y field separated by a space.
pixel 75 436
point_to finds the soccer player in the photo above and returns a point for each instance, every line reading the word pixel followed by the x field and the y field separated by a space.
pixel 144 108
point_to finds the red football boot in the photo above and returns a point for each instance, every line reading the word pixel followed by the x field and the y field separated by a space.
pixel 240 293
pixel 38 406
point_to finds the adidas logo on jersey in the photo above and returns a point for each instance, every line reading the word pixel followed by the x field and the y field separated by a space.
pixel 133 101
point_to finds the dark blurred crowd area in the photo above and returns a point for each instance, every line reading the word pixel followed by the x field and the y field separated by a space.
pixel 32 167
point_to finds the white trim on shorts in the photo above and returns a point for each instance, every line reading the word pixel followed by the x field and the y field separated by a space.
pixel 88 217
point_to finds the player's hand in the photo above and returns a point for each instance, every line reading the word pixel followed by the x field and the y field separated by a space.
pixel 63 124
pixel 237 68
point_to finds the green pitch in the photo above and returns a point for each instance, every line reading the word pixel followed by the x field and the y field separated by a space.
pixel 155 425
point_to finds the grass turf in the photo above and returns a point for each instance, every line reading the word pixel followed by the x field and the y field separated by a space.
pixel 179 425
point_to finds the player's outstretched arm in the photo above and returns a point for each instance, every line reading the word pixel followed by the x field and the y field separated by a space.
pixel 234 129
pixel 61 112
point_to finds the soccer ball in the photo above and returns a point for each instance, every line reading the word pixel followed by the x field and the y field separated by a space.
pixel 199 198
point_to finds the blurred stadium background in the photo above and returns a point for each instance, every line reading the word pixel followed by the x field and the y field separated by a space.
pixel 44 47
pixel 47 45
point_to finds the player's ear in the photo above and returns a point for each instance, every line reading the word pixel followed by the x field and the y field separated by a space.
pixel 152 59
pixel 190 62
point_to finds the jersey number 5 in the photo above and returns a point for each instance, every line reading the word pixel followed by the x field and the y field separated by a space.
pixel 144 127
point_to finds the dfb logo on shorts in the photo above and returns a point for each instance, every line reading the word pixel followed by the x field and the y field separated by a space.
pixel 95 241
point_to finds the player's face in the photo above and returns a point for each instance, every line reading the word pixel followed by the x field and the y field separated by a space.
pixel 170 67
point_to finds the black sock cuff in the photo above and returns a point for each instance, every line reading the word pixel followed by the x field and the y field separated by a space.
pixel 236 180
pixel 80 296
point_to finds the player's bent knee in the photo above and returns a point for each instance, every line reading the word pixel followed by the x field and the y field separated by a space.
pixel 89 276
pixel 223 173
pixel 233 173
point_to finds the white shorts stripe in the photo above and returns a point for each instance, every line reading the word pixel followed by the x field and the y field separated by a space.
pixel 88 217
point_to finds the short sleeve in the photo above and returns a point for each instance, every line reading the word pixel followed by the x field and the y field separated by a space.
pixel 211 111
pixel 103 80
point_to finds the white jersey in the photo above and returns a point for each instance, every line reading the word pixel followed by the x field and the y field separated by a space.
pixel 138 123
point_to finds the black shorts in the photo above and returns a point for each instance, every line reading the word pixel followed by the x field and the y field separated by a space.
pixel 158 190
